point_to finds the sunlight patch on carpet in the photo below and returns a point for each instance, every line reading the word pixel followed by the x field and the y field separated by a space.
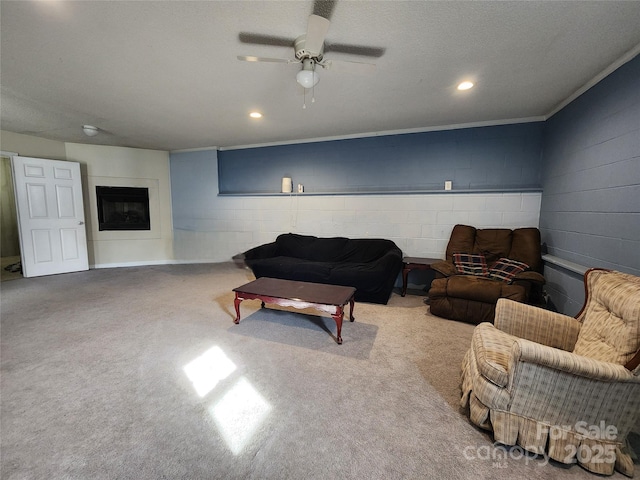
pixel 239 413
pixel 207 370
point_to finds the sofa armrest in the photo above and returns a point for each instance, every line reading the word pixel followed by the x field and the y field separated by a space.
pixel 445 268
pixel 268 250
pixel 238 259
pixel 537 324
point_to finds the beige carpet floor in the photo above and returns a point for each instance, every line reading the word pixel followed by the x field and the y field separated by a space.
pixel 140 373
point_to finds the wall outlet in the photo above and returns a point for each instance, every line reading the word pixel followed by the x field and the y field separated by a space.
pixel 447 185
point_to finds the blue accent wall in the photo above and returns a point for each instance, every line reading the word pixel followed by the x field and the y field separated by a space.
pixel 590 211
pixel 193 188
pixel 497 157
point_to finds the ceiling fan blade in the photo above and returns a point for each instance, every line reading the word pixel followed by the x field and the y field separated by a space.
pixel 351 67
pixel 259 39
pixel 362 50
pixel 317 29
pixel 324 8
pixel 251 58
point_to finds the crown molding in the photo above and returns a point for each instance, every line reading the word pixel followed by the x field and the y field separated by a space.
pixel 490 123
pixel 627 57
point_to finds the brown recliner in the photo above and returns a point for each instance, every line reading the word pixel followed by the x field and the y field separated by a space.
pixel 472 298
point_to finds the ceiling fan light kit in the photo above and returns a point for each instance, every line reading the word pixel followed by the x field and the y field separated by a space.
pixel 307 77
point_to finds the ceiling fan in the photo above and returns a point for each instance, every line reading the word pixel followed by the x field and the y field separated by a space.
pixel 309 50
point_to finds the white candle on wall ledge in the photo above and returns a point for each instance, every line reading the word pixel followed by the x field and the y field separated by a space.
pixel 286 184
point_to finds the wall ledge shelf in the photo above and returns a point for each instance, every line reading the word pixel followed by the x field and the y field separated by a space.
pixel 385 192
pixel 566 264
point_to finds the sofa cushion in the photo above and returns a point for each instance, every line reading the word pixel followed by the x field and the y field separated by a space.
pixel 311 248
pixel 611 321
pixel 462 240
pixel 290 268
pixel 335 249
pixel 470 264
pixel 506 269
pixel 367 250
pixel 525 247
pixel 493 243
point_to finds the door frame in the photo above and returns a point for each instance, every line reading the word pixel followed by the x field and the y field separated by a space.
pixel 10 155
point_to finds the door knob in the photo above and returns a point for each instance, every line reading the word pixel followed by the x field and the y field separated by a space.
pixel 80 223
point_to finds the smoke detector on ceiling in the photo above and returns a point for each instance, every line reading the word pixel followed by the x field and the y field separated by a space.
pixel 90 130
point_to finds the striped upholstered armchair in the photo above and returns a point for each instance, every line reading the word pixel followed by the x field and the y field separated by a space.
pixel 564 387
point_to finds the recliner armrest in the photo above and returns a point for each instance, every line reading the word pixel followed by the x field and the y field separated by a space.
pixel 445 268
pixel 530 276
pixel 537 324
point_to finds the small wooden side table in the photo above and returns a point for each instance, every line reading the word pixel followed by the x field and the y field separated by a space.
pixel 414 263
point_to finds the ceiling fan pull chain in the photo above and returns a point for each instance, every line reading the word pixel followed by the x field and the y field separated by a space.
pixel 313 92
pixel 304 98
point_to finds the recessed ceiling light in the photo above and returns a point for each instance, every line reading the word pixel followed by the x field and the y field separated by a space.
pixel 465 85
pixel 255 115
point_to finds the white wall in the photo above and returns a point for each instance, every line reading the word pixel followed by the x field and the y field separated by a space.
pixel 126 167
pixel 419 224
pixel 29 146
pixel 213 228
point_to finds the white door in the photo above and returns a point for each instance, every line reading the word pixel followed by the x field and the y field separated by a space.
pixel 50 216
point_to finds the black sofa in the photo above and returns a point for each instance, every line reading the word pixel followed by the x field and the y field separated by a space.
pixel 371 265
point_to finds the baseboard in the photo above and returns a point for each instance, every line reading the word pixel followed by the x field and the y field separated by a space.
pixel 149 263
pixel 131 264
pixel 204 260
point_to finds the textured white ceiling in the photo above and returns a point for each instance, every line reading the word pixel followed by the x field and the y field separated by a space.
pixel 164 74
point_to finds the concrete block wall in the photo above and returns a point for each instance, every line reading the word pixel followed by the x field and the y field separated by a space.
pixel 213 228
pixel 590 211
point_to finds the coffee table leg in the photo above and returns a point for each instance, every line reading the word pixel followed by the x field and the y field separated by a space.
pixel 351 303
pixel 338 316
pixel 236 303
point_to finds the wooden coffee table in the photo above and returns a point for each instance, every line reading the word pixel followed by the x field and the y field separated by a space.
pixel 290 293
